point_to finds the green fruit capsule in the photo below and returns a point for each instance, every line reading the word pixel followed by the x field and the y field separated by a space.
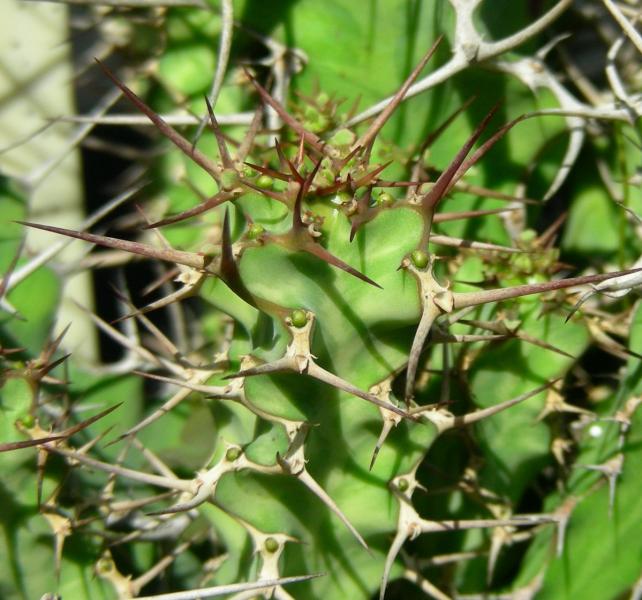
pixel 265 182
pixel 271 545
pixel 385 199
pixel 232 454
pixel 255 231
pixel 299 318
pixel 419 259
pixel 403 485
pixel 247 172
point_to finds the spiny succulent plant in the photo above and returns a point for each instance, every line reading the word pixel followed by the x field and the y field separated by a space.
pixel 366 366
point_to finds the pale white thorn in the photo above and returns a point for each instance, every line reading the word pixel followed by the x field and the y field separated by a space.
pixel 140 582
pixel 386 428
pixel 435 300
pixel 321 374
pixel 123 340
pixel 223 56
pixel 232 391
pixel 484 413
pixel 29 137
pixel 424 585
pixel 174 401
pixel 157 480
pixel 8 307
pixel 575 143
pixel 320 493
pixel 293 463
pixel 154 461
pixel 527 520
pixel 383 390
pixel 624 23
pixel 447 240
pixel 177 120
pixel 611 469
pixel 168 346
pixel 232 588
pixel 395 547
pixel 491 49
pixel 544 51
pixel 428 316
pixel 614 79
pixel 39 174
pixel 186 291
pixel 612 476
pixel 453 557
pixel 497 541
pixel 281 594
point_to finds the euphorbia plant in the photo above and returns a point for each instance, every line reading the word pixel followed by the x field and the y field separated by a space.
pixel 351 330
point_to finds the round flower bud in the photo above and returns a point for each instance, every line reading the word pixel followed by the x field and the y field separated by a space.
pixel 232 454
pixel 299 318
pixel 255 231
pixel 385 199
pixel 265 182
pixel 419 259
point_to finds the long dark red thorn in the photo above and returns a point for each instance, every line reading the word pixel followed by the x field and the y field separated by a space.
pixel 285 160
pixel 313 140
pixel 169 132
pixel 188 259
pixel 369 177
pixel 297 220
pixel 229 269
pixel 268 171
pixel 220 140
pixel 213 202
pixel 368 137
pixel 320 252
pixel 438 190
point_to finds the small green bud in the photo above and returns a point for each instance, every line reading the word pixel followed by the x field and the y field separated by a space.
pixel 343 137
pixel 419 259
pixel 27 421
pixel 341 198
pixel 247 172
pixel 229 179
pixel 523 262
pixel 255 231
pixel 271 545
pixel 385 199
pixel 528 235
pixel 265 182
pixel 104 565
pixel 403 485
pixel 299 318
pixel 232 454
